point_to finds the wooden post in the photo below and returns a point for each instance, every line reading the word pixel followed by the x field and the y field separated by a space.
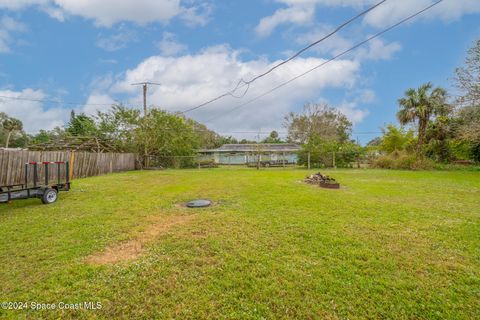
pixel 308 160
pixel 334 164
pixel 72 163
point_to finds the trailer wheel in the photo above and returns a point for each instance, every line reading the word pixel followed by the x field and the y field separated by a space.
pixel 49 196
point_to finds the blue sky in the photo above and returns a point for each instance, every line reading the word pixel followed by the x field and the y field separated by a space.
pixel 85 54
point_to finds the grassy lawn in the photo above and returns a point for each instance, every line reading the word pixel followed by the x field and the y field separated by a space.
pixel 389 245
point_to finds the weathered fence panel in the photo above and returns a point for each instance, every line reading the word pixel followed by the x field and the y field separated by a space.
pixel 83 164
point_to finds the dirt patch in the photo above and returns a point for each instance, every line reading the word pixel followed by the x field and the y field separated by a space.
pixel 132 249
pixel 181 205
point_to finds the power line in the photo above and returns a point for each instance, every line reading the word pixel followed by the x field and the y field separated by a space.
pixel 327 61
pixel 55 101
pixel 243 83
pixel 258 132
pixel 316 42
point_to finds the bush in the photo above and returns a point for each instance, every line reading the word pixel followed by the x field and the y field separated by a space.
pixel 383 162
pixel 402 160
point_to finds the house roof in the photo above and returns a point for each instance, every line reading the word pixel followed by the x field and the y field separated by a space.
pixel 263 147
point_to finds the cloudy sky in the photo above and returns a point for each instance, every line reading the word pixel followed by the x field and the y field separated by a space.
pixel 85 54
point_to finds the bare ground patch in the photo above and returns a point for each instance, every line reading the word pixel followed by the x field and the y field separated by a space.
pixel 133 249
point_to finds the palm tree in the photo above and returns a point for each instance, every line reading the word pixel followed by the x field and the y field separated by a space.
pixel 11 125
pixel 419 105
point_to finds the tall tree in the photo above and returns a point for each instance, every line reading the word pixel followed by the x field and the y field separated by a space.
pixel 419 106
pixel 81 125
pixel 318 122
pixel 467 77
pixel 439 132
pixel 272 138
pixel 323 132
pixel 11 125
pixel 208 139
pixel 117 126
pixel 167 137
pixel 395 139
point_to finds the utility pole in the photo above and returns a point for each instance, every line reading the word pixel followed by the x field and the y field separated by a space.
pixel 145 88
pixel 146 160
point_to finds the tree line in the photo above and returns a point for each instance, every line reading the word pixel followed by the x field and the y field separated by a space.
pixel 432 127
pixel 435 126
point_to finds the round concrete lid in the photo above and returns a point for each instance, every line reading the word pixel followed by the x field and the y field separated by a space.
pixel 199 203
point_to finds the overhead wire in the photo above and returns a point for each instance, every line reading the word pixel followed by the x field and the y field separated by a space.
pixel 243 83
pixel 327 61
pixel 55 101
pixel 257 131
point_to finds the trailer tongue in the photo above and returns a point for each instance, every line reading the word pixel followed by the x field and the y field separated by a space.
pixel 42 180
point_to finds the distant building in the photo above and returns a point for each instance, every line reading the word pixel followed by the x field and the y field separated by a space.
pixel 249 153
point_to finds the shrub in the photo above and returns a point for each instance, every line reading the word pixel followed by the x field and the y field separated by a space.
pixel 383 162
pixel 402 160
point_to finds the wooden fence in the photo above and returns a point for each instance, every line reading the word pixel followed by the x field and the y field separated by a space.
pixel 84 164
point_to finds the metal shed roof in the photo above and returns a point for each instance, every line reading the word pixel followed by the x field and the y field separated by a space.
pixel 264 147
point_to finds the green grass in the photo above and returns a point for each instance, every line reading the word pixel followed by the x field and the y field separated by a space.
pixel 388 245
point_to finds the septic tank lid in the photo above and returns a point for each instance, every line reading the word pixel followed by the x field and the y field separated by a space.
pixel 199 203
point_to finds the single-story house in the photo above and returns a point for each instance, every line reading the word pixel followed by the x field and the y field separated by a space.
pixel 249 153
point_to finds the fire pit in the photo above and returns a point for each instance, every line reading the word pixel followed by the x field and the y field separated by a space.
pixel 323 181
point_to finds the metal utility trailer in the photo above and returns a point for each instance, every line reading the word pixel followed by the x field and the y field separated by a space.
pixel 35 186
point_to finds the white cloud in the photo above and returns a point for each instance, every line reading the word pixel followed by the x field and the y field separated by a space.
pixel 386 14
pixel 196 15
pixel 334 45
pixel 109 12
pixel 97 102
pixel 106 13
pixel 33 114
pixel 54 12
pixel 351 107
pixel 101 83
pixel 8 26
pixel 192 79
pixel 353 113
pixel 116 41
pixel 366 96
pixel 189 80
pixel 393 11
pixel 377 49
pixel 20 4
pixel 169 46
pixel 300 15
